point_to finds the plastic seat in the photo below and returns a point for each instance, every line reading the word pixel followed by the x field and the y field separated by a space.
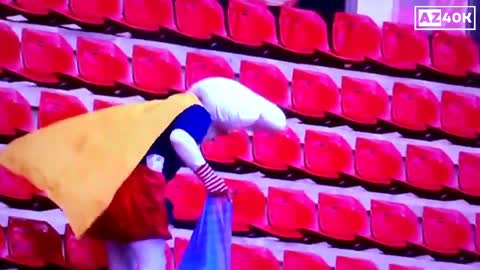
pixel 314 94
pixel 89 12
pixel 226 149
pixel 289 211
pixel 453 227
pixel 146 15
pixel 295 260
pixel 55 107
pixel 155 71
pixel 349 37
pixel 403 267
pixel 180 245
pixel 200 18
pixel 348 263
pixel 201 65
pixel 266 80
pixel 33 243
pixel 10 52
pixel 16 187
pixel 15 114
pixel 99 104
pixel 3 245
pixel 459 114
pixel 84 253
pixel 477 232
pixel 364 101
pixel 32 7
pixel 469 173
pixel 44 54
pixel 249 205
pixel 253 257
pixel 187 195
pixel 429 168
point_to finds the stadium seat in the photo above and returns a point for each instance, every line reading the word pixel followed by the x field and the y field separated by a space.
pixel 15 115
pixel 253 258
pixel 55 107
pixel 459 114
pixel 266 80
pixel 289 211
pixel 33 243
pixel 314 94
pixel 453 227
pixel 403 267
pixel 200 18
pixel 155 72
pixel 477 232
pixel 99 104
pixel 180 245
pixel 296 260
pixel 326 155
pixel 10 52
pixel 348 263
pixel 84 253
pixel 44 54
pixel 226 149
pixel 187 195
pixel 414 108
pixel 202 65
pixel 15 187
pixel 249 205
pixel 89 12
pixel 145 15
pixel 3 245
pixel 348 37
pixel 469 173
pixel 429 168
pixel 36 8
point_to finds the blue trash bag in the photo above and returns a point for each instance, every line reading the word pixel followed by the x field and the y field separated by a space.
pixel 211 242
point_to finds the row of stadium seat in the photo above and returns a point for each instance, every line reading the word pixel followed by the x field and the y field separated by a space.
pixel 302 34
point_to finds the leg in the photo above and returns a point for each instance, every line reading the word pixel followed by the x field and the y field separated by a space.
pixel 149 254
pixel 119 257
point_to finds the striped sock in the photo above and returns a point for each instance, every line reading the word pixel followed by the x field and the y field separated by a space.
pixel 213 182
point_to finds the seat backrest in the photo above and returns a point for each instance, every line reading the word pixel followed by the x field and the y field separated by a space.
pixel 402 44
pixel 296 260
pixel 40 5
pixel 403 267
pixel 99 104
pixel 15 112
pixel 201 65
pixel 84 253
pixel 459 113
pixel 200 18
pixel 469 172
pixel 276 149
pixel 347 263
pixel 96 8
pixel 188 195
pixel 55 107
pixel 249 203
pixel 149 13
pixel 253 257
pixel 10 52
pixel 227 148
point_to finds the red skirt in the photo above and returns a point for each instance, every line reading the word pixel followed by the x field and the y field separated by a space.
pixel 137 211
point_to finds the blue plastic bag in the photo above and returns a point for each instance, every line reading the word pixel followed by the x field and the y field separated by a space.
pixel 211 242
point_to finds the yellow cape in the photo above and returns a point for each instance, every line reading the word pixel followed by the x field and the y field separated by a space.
pixel 82 161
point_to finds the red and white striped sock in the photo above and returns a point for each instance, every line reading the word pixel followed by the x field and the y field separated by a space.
pixel 213 182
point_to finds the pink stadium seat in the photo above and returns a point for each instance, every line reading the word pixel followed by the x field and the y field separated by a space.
pixel 349 32
pixel 477 232
pixel 274 151
pixel 348 263
pixel 201 65
pixel 200 18
pixel 459 114
pixel 32 7
pixel 99 104
pixel 326 155
pixel 15 114
pixel 55 107
pixel 403 267
pixel 187 194
pixel 289 211
pixel 253 258
pixel 84 253
pixel 314 94
pixel 453 227
pixel 16 187
pixel 180 245
pixel 414 107
pixel 33 243
pixel 146 15
pixel 295 260
pixel 266 80
pixel 249 204
pixel 44 54
pixel 155 71
pixel 3 245
pixel 89 12
pixel 364 101
pixel 469 173
pixel 10 52
pixel 429 168
pixel 226 149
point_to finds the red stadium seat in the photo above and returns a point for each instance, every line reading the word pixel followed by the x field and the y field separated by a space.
pixel 253 258
pixel 314 94
pixel 348 263
pixel 10 52
pixel 477 232
pixel 453 227
pixel 187 195
pixel 469 173
pixel 295 260
pixel 403 267
pixel 3 245
pixel 155 71
pixel 32 7
pixel 289 211
pixel 364 101
pixel 326 155
pixel 89 12
pixel 146 15
pixel 266 80
pixel 84 253
pixel 249 204
pixel 226 149
pixel 180 245
pixel 99 104
pixel 33 243
pixel 459 114
pixel 200 18
pixel 429 168
pixel 15 114
pixel 349 32
pixel 201 65
pixel 55 107
pixel 44 54
pixel 15 187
